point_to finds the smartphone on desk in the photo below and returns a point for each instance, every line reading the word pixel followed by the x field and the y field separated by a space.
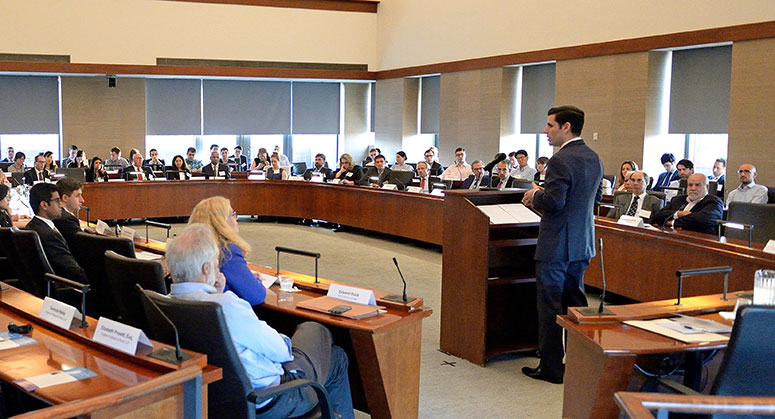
pixel 339 310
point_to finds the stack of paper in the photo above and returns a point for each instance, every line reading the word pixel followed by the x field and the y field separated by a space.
pixel 510 214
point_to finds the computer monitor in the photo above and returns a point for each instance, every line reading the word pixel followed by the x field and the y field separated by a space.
pixel 16 178
pixel 4 166
pixel 400 178
pixel 77 173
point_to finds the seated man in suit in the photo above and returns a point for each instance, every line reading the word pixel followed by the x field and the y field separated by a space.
pixel 269 357
pixel 320 167
pixel 215 169
pixel 434 168
pixel 240 160
pixel 225 160
pixel 670 173
pixel 37 173
pixel 503 180
pixel 154 162
pixel 748 191
pixel 71 196
pixel 719 176
pixel 685 168
pixel 636 202
pixel 378 171
pixel 477 178
pixel 137 171
pixel 696 211
pixel 46 204
pixel 9 159
pixel 423 180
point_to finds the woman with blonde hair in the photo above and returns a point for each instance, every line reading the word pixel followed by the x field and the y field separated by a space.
pixel 217 213
pixel 621 182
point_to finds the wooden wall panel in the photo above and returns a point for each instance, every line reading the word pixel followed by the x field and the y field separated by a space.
pixel 357 137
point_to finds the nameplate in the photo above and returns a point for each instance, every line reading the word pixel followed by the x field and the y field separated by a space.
pixel 352 294
pixel 349 175
pixel 317 178
pixel 389 186
pixel 260 176
pixel 181 175
pixel 629 220
pixel 415 189
pixel 335 181
pixel 438 192
pixel 115 180
pixel 296 178
pixel 57 313
pixel 221 174
pixel 119 336
pixel 103 228
pixel 128 233
pixel 644 213
pixel 770 247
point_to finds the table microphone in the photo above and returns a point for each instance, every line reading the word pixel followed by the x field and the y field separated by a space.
pixel 398 298
pixel 164 354
pixel 601 310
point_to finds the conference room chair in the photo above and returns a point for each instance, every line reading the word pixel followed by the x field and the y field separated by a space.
pixel 762 216
pixel 771 194
pixel 9 259
pixel 202 328
pixel 123 272
pixel 611 178
pixel 89 251
pixel 522 183
pixel 299 168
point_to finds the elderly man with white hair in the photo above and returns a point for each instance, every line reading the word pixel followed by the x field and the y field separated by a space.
pixel 696 211
pixel 269 357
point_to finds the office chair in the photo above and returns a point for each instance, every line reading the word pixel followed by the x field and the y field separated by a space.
pixel 760 215
pixel 299 168
pixel 122 273
pixel 202 328
pixel 34 261
pixel 9 261
pixel 771 194
pixel 612 179
pixel 89 252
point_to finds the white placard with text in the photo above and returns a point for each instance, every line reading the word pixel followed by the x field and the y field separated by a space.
pixel 128 233
pixel 57 313
pixel 119 336
pixel 352 294
pixel 103 228
pixel 770 247
pixel 630 220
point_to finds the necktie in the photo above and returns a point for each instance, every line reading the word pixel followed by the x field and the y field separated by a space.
pixel 40 176
pixel 634 206
pixel 475 183
pixel 500 184
pixel 422 183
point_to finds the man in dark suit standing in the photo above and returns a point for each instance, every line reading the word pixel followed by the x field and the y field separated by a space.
pixel 566 238
pixel 46 204
pixel 636 202
pixel 216 170
pixel 137 171
pixel 37 173
pixel 477 179
pixel 696 211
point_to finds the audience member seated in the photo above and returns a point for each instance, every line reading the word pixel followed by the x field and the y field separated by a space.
pixel 626 167
pixel 10 158
pixel 478 178
pixel 194 165
pixel 284 162
pixel 685 168
pixel 215 170
pixel 6 217
pixel 434 168
pixel 80 161
pixel 116 162
pixel 179 169
pixel 369 160
pixel 423 180
pixel 216 213
pixel 225 160
pixel 46 204
pixel 71 198
pixel 503 179
pixel 376 175
pixel 37 173
pixel 72 153
pixel 18 163
pixel 96 172
pixel 540 176
pixel 154 162
pixel 348 173
pixel 669 175
pixel 269 357
pixel 460 170
pixel 320 167
pixel 719 176
pixel 276 172
pixel 401 165
pixel 522 170
pixel 636 202
pixel 51 166
pixel 261 162
pixel 748 191
pixel 696 211
pixel 240 160
pixel 137 171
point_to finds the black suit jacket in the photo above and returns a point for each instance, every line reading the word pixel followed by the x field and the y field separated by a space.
pixel 126 173
pixel 325 171
pixel 702 218
pixel 57 251
pixel 372 172
pixel 353 175
pixel 436 169
pixel 68 225
pixel 242 164
pixel 208 171
pixel 31 176
pixel 496 180
pixel 484 182
pixel 658 186
pixel 90 176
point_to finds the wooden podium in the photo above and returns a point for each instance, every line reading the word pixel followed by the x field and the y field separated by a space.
pixel 488 296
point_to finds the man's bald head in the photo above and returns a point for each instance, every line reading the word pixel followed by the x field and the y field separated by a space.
pixel 747 173
pixel 697 186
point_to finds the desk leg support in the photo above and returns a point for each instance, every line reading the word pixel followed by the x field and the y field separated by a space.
pixel 591 379
pixel 389 364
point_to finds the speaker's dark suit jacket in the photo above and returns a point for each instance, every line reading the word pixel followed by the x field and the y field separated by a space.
pixel 208 171
pixel 372 172
pixel 127 173
pixel 68 225
pixel 702 218
pixel 57 251
pixel 31 176
pixel 483 183
pixel 661 180
pixel 325 171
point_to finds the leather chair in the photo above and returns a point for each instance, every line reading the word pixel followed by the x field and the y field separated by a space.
pixel 89 251
pixel 122 274
pixel 771 194
pixel 34 261
pixel 299 168
pixel 760 215
pixel 12 269
pixel 202 328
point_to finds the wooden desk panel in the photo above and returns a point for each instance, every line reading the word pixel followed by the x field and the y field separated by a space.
pixel 641 264
pixel 410 215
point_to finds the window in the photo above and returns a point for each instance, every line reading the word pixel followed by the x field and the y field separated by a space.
pixel 536 145
pixel 655 146
pixel 169 146
pixel 266 141
pixel 415 147
pixel 31 145
pixel 704 149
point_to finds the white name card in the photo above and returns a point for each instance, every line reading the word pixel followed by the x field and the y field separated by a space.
pixel 644 214
pixel 128 233
pixel 103 228
pixel 57 313
pixel 438 192
pixel 770 247
pixel 389 186
pixel 335 181
pixel 629 220
pixel 297 178
pixel 352 294
pixel 119 336
pixel 316 177
pixel 415 189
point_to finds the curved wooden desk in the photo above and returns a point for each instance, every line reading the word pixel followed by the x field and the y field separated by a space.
pixel 405 214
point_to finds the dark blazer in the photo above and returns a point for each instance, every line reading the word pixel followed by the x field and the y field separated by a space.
pixel 372 172
pixel 702 218
pixel 573 186
pixel 537 179
pixel 173 174
pixel 31 176
pixel 496 180
pixel 126 173
pixel 650 203
pixel 5 219
pixel 90 176
pixel 57 251
pixel 325 171
pixel 484 182
pixel 354 174
pixel 68 225
pixel 242 164
pixel 208 171
pixel 661 179
pixel 436 169
pixel 155 167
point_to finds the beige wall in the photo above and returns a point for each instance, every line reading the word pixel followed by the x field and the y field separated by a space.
pixel 412 32
pixel 396 114
pixel 96 118
pixel 139 31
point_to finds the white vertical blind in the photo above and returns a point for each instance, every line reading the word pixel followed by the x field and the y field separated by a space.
pixel 173 107
pixel 29 105
pixel 316 108
pixel 537 96
pixel 429 113
pixel 246 107
pixel 699 90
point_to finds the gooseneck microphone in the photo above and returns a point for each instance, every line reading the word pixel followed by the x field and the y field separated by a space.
pixel 398 298
pixel 601 310
pixel 402 278
pixel 164 353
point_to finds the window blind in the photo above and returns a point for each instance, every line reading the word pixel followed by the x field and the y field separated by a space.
pixel 234 107
pixel 29 105
pixel 316 108
pixel 173 107
pixel 537 96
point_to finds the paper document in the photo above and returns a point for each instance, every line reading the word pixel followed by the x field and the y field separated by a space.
pixel 509 214
pixel 522 213
pixel 143 255
pixel 266 279
pixel 660 326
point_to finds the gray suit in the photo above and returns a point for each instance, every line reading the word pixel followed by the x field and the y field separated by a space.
pixel 650 203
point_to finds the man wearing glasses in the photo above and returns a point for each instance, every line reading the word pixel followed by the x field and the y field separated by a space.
pixel 47 206
pixel 460 170
pixel 434 168
pixel 636 202
pixel 748 191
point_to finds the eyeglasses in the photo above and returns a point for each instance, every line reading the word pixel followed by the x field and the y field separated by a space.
pixel 740 172
pixel 57 200
pixel 234 214
pixel 459 154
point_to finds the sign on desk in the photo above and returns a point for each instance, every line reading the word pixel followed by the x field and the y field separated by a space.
pixel 57 313
pixel 119 336
pixel 352 294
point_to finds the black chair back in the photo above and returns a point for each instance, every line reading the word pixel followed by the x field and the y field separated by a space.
pixel 522 183
pixel 122 275
pixel 612 179
pixel 771 194
pixel 13 266
pixel 202 328
pixel 660 195
pixel 760 215
pixel 89 252
pixel 31 255
pixel 748 368
pixel 299 168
